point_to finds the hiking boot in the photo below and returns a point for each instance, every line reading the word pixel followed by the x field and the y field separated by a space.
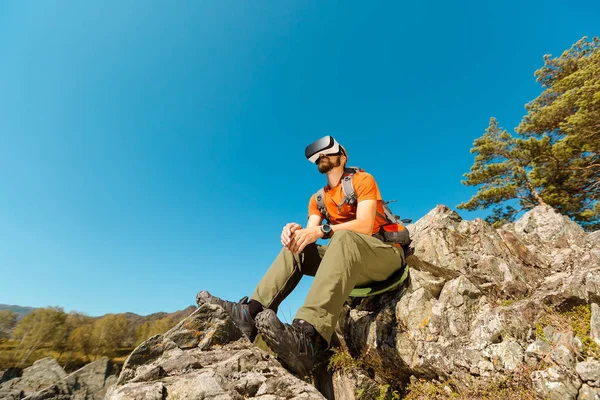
pixel 299 346
pixel 241 312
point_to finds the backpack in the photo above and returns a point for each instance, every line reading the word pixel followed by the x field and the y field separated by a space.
pixel 393 231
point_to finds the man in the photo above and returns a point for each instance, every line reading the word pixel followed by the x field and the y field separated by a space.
pixel 352 257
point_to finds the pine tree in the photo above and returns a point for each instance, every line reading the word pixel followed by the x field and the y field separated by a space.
pixel 554 158
pixel 565 121
pixel 501 169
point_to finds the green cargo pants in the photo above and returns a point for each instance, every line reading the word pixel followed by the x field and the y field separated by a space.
pixel 350 259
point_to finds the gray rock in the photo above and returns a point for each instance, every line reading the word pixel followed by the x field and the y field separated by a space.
pixel 589 371
pixel 548 226
pixel 457 304
pixel 539 348
pixel 89 382
pixel 472 248
pixel 594 242
pixel 355 384
pixel 508 355
pixel 595 323
pixel 205 327
pixel 494 286
pixel 145 391
pixel 426 280
pixel 588 393
pixel 561 355
pixel 206 357
pixel 557 238
pixel 43 373
pixel 556 383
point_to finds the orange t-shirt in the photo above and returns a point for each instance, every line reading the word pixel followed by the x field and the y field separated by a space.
pixel 366 189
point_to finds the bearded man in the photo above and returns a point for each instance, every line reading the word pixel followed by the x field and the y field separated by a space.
pixel 353 257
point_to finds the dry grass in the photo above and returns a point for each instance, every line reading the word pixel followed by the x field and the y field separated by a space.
pixel 575 320
pixel 514 386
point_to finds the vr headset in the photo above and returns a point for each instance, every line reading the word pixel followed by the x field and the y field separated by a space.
pixel 326 145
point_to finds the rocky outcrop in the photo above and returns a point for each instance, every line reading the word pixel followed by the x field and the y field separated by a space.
pixel 206 357
pixel 485 303
pixel 511 312
pixel 42 373
pixel 46 379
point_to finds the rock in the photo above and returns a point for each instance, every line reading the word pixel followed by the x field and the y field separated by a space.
pixel 474 303
pixel 595 323
pixel 204 328
pixel 508 354
pixel 561 355
pixel 594 242
pixel 41 374
pixel 90 382
pixel 146 391
pixel 92 377
pixel 549 227
pixel 539 348
pixel 472 248
pixel 355 384
pixel 556 238
pixel 588 393
pixel 206 356
pixel 556 383
pixel 589 371
pixel 426 280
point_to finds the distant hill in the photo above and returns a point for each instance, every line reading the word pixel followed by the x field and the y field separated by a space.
pixel 131 317
pixel 22 311
pixel 132 330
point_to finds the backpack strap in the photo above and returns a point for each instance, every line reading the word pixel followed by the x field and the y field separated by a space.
pixel 320 197
pixel 347 188
pixel 389 215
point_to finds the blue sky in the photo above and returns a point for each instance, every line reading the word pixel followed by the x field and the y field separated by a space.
pixel 150 150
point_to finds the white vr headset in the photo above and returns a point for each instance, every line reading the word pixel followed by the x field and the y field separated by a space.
pixel 326 145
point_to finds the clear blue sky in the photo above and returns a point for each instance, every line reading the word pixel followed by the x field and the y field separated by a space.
pixel 149 150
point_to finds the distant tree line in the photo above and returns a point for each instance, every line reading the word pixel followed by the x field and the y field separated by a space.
pixel 553 158
pixel 74 336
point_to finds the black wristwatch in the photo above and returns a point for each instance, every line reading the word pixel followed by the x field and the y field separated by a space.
pixel 327 231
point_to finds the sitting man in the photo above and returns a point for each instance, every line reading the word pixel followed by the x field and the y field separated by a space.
pixel 352 257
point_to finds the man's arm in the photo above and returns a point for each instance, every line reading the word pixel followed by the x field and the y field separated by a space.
pixel 366 211
pixel 314 220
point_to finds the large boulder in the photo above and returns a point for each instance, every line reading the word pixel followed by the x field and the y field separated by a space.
pixel 46 379
pixel 483 304
pixel 41 374
pixel 206 357
pixel 89 382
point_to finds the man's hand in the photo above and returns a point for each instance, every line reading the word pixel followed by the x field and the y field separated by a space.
pixel 303 237
pixel 288 231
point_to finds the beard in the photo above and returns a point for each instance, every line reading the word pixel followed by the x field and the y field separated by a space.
pixel 325 165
